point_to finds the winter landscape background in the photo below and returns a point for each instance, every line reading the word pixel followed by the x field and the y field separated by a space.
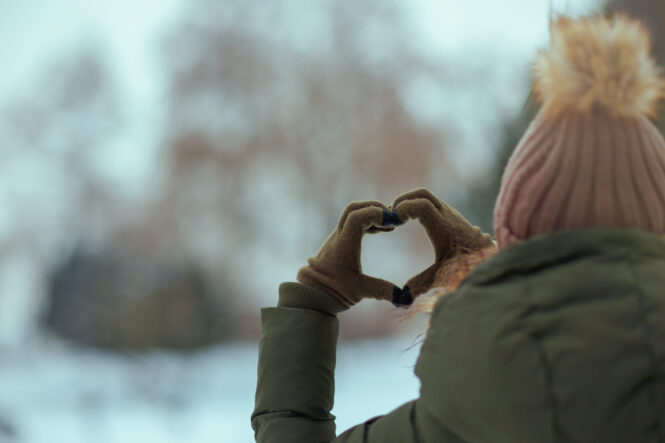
pixel 164 165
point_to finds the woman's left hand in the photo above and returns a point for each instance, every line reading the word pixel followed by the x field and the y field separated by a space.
pixel 336 269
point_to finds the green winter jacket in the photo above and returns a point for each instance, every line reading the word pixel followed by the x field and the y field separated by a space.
pixel 560 338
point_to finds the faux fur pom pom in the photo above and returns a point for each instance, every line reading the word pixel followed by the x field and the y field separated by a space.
pixel 598 63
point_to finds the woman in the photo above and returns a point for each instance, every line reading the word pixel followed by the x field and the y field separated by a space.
pixel 560 336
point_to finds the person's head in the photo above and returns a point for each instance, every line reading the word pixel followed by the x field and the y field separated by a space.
pixel 591 157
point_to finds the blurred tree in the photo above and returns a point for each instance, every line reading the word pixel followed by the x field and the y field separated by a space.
pixel 280 113
pixel 322 120
pixel 121 302
pixel 56 178
pixel 61 137
pixel 53 143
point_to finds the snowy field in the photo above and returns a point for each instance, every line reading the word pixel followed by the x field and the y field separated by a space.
pixel 57 393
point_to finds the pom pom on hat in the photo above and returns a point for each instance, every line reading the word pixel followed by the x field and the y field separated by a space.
pixel 598 63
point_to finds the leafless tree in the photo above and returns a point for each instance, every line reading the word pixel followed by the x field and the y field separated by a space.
pixel 280 113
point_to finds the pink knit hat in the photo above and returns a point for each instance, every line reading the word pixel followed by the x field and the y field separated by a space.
pixel 591 157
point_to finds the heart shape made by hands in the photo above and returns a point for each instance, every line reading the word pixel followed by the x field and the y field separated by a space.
pixel 337 271
pixel 448 231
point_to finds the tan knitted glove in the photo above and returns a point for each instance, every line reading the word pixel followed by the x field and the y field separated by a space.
pixel 449 232
pixel 336 269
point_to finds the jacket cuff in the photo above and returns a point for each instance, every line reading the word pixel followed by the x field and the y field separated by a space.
pixel 297 295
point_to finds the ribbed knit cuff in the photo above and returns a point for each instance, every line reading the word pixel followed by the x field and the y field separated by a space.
pixel 297 295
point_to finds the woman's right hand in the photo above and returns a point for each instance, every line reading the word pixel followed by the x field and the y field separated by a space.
pixel 449 232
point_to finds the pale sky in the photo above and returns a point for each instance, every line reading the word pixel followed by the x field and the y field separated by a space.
pixel 34 31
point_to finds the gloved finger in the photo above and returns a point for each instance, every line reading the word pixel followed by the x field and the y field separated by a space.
pixel 372 287
pixel 360 220
pixel 356 223
pixel 417 194
pixel 390 220
pixel 437 226
pixel 354 206
pixel 420 283
pixel 376 229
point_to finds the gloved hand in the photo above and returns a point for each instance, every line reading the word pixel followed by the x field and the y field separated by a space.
pixel 336 269
pixel 449 232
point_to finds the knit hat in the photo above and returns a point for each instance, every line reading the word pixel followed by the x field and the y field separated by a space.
pixel 591 157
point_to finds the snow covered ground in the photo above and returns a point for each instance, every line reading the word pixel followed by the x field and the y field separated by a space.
pixel 53 392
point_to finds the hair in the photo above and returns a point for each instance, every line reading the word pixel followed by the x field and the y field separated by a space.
pixel 450 276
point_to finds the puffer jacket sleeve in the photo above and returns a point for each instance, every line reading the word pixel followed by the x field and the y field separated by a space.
pixel 296 385
pixel 296 376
